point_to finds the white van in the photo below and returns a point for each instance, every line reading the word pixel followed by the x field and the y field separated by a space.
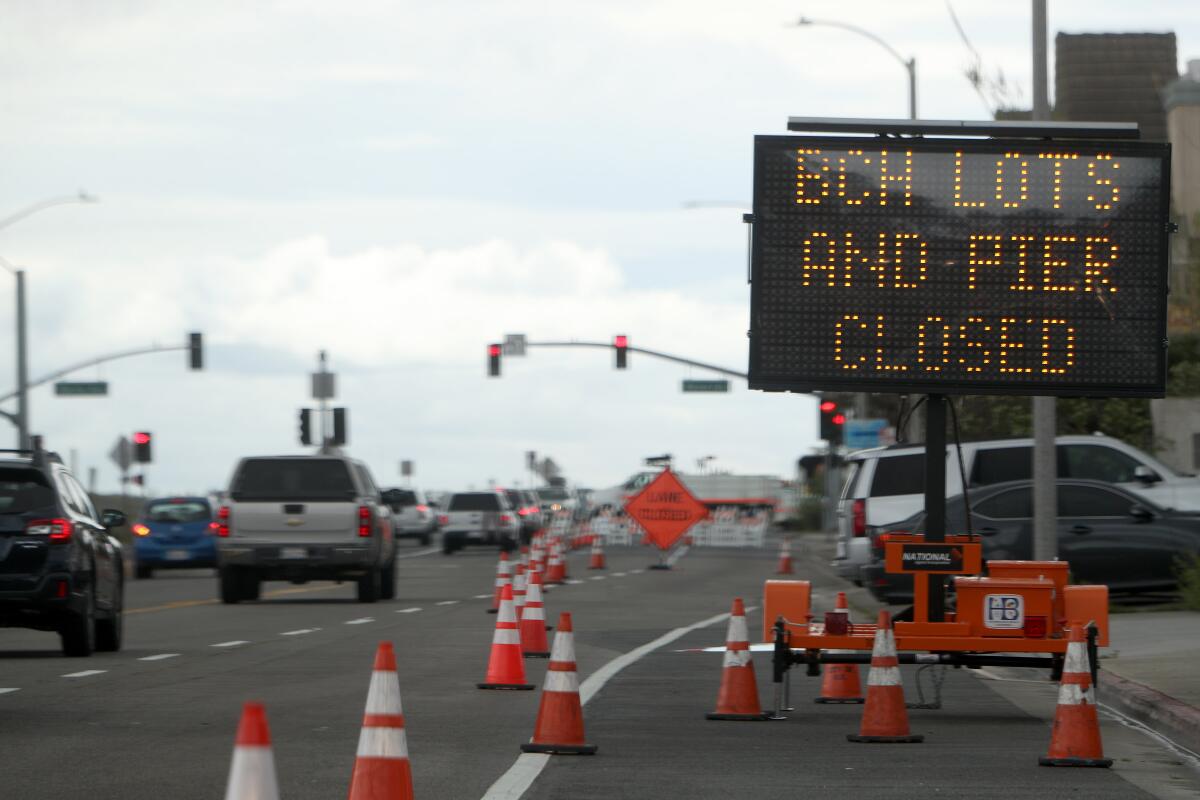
pixel 887 484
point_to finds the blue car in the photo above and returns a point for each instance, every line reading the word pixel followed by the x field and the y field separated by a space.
pixel 174 533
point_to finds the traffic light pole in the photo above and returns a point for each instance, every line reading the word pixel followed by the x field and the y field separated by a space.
pixel 655 353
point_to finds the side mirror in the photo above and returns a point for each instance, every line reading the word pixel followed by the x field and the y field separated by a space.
pixel 1140 513
pixel 1143 474
pixel 112 518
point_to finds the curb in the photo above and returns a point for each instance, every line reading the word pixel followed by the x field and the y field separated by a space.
pixel 1173 718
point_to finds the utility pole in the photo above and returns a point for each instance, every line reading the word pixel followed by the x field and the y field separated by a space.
pixel 1045 467
pixel 22 367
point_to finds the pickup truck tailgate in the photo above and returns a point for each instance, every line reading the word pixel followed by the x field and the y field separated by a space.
pixel 301 523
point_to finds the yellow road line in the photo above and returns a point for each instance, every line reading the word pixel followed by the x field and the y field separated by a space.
pixel 214 601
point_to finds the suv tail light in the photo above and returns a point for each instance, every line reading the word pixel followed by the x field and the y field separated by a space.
pixel 141 530
pixel 423 509
pixel 443 519
pixel 364 521
pixel 858 517
pixel 58 530
pixel 222 523
pixel 506 518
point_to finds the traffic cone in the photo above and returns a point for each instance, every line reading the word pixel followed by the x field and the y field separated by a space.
pixel 533 621
pixel 840 683
pixel 381 768
pixel 738 696
pixel 597 561
pixel 1075 738
pixel 556 568
pixel 559 726
pixel 503 576
pixel 785 558
pixel 252 773
pixel 506 670
pixel 885 718
pixel 519 587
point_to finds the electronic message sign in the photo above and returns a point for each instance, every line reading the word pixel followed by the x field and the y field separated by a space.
pixel 977 266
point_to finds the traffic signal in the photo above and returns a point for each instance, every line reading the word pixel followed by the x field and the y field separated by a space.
pixel 339 427
pixel 493 360
pixel 141 447
pixel 195 351
pixel 833 422
pixel 621 345
pixel 306 426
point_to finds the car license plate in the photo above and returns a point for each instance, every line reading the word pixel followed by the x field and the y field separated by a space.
pixel 293 552
pixel 178 555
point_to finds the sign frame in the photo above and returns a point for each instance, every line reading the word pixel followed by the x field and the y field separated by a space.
pixel 770 145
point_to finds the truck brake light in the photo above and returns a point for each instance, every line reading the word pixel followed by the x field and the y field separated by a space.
pixel 223 520
pixel 423 509
pixel 364 521
pixel 858 517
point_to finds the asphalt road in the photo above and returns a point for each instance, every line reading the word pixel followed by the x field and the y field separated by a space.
pixel 157 719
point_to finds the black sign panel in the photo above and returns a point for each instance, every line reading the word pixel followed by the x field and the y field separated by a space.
pixel 931 558
pixel 959 266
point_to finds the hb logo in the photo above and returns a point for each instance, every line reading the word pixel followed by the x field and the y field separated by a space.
pixel 1003 611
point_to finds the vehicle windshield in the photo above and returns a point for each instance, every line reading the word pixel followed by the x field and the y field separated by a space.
pixel 177 511
pixel 475 501
pixel 316 479
pixel 23 490
pixel 401 498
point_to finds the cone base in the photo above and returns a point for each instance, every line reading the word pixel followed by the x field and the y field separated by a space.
pixel 542 654
pixel 839 700
pixel 737 717
pixel 493 610
pixel 1046 761
pixel 659 566
pixel 560 749
pixel 913 739
pixel 514 686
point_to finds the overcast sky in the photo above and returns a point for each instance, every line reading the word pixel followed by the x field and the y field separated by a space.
pixel 402 182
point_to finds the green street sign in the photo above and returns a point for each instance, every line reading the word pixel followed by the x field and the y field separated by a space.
pixel 81 388
pixel 705 386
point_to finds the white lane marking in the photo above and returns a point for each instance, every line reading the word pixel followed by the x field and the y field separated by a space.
pixel 419 553
pixel 636 571
pixel 87 673
pixel 6 691
pixel 574 582
pixel 407 610
pixel 599 577
pixel 446 603
pixel 159 657
pixel 359 621
pixel 524 771
pixel 300 632
pixel 486 596
pixel 234 643
pixel 622 574
pixel 678 554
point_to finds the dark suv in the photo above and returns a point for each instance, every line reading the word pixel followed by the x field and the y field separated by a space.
pixel 60 568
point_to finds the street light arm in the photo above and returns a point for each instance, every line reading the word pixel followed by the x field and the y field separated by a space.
pixel 81 197
pixel 91 362
pixel 861 32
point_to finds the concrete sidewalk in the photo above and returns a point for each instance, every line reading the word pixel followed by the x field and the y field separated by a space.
pixel 1151 671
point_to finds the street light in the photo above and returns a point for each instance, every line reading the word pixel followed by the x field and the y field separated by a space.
pixel 22 415
pixel 910 64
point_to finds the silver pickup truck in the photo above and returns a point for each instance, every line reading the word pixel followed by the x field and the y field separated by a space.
pixel 303 518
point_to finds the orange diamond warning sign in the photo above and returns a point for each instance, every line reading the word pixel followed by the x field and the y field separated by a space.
pixel 665 509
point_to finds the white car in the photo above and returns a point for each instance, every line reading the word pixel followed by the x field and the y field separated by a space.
pixel 887 484
pixel 479 518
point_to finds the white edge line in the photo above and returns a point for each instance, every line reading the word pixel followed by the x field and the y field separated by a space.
pixel 524 771
pixel 234 643
pixel 419 553
pixel 159 657
pixel 407 610
pixel 359 621
pixel 447 603
pixel 300 632
pixel 483 596
pixel 6 691
pixel 87 673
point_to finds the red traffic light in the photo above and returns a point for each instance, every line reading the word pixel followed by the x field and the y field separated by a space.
pixel 141 437
pixel 493 350
pixel 620 341
pixel 828 406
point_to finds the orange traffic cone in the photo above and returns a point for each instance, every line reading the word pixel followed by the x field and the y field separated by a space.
pixel 559 727
pixel 597 561
pixel 840 683
pixel 381 768
pixel 506 670
pixel 533 621
pixel 885 718
pixel 252 774
pixel 503 576
pixel 556 568
pixel 1075 738
pixel 738 696
pixel 519 588
pixel 785 558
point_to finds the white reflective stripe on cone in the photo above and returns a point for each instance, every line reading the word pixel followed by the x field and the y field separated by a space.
pixel 533 612
pixel 508 612
pixel 252 774
pixel 1077 660
pixel 737 630
pixel 382 743
pixel 561 682
pixel 883 676
pixel 563 650
pixel 1072 694
pixel 884 644
pixel 737 658
pixel 384 695
pixel 506 636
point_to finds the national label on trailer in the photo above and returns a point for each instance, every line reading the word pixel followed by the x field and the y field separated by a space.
pixel 931 558
pixel 959 265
